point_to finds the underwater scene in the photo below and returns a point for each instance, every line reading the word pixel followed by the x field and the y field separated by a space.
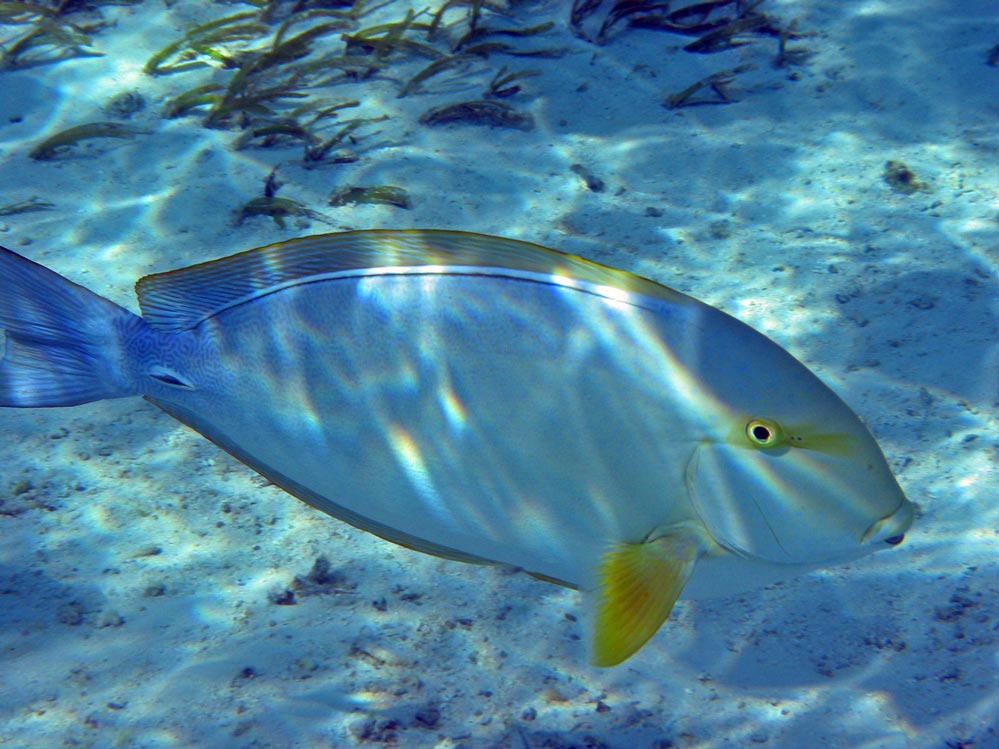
pixel 615 374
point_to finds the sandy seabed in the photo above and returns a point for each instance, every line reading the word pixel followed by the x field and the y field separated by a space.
pixel 143 571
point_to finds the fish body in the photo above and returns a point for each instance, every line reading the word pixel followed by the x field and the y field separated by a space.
pixel 488 401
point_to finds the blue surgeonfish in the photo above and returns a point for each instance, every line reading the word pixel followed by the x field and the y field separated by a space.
pixel 485 400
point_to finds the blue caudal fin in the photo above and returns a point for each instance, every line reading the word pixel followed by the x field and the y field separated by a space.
pixel 62 344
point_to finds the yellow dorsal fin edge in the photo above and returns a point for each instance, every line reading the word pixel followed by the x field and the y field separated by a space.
pixel 183 298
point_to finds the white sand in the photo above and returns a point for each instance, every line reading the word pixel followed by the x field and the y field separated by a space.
pixel 138 562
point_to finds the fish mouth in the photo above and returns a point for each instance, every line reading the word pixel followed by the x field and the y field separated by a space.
pixel 891 528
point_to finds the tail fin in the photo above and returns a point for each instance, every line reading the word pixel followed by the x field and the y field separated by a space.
pixel 62 344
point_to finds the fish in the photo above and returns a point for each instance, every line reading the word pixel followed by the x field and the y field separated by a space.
pixel 485 400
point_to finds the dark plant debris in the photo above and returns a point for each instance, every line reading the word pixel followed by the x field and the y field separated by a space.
pixel 125 105
pixel 634 8
pixel 278 209
pixel 438 66
pixel 719 25
pixel 322 579
pixel 48 41
pixel 902 180
pixel 273 58
pixel 789 57
pixel 727 36
pixel 54 34
pixel 61 142
pixel 479 112
pixel 502 85
pixel 378 195
pixel 262 71
pixel 590 180
pixel 26 206
pixel 709 90
pixel 319 150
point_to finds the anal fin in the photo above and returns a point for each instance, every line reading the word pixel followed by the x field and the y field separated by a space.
pixel 637 587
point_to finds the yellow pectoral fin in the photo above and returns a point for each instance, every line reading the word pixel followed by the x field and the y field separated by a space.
pixel 638 585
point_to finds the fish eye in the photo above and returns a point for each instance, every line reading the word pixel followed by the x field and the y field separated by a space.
pixel 764 433
pixel 895 540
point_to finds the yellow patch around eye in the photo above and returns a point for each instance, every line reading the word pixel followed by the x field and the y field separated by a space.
pixel 761 433
pixel 838 444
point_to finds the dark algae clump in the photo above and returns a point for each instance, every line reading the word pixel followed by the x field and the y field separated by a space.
pixel 278 209
pixel 590 180
pixel 380 194
pixel 903 180
pixel 479 112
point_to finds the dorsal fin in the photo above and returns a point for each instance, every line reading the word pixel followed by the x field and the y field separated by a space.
pixel 183 298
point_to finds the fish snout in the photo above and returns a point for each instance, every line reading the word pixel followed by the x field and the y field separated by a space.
pixel 891 529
